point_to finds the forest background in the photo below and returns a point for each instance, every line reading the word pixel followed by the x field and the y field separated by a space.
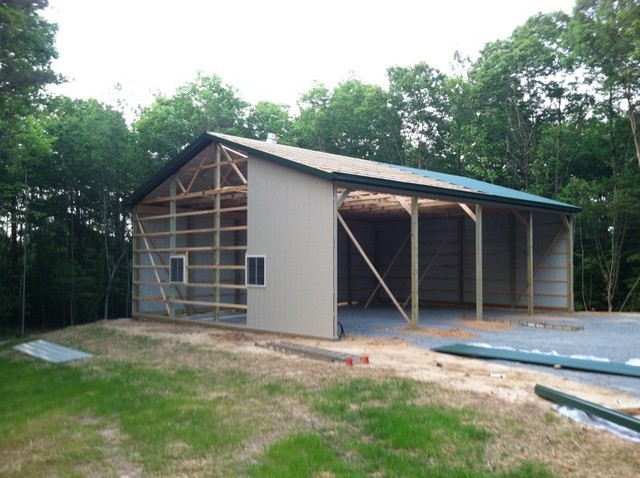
pixel 552 110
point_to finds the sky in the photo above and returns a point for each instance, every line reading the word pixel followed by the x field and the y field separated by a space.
pixel 268 50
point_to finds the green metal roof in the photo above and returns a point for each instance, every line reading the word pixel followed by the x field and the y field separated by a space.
pixel 489 188
pixel 360 172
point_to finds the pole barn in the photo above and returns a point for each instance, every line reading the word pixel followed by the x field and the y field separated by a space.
pixel 251 234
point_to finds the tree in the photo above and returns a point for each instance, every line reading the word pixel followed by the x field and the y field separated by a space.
pixel 267 117
pixel 355 119
pixel 170 123
pixel 25 68
pixel 25 57
pixel 419 95
pixel 81 201
pixel 606 37
pixel 518 87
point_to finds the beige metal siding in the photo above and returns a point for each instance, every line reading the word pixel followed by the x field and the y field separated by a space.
pixel 291 222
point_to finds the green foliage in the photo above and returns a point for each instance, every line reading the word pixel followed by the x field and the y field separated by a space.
pixel 606 38
pixel 355 119
pixel 267 117
pixel 25 57
pixel 170 123
pixel 420 97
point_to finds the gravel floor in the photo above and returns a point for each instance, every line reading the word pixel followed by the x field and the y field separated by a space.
pixel 612 336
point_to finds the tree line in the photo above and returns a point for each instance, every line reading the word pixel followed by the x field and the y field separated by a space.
pixel 552 109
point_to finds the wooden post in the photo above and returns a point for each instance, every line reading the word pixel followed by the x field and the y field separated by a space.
pixel 415 299
pixel 461 260
pixel 191 292
pixel 568 221
pixel 530 262
pixel 479 305
pixel 512 261
pixel 172 246
pixel 349 279
pixel 135 306
pixel 216 236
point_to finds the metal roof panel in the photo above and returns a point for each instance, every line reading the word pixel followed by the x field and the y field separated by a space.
pixel 51 352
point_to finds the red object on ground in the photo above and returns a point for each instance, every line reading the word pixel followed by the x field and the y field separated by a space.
pixel 349 361
pixel 365 359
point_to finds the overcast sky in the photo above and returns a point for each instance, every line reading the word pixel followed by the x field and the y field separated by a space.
pixel 269 50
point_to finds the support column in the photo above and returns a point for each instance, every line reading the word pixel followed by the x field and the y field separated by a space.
pixel 569 242
pixel 349 279
pixel 172 246
pixel 512 261
pixel 530 262
pixel 216 237
pixel 479 294
pixel 415 282
pixel 135 305
pixel 461 260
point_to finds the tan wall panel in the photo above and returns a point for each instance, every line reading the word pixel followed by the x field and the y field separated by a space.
pixel 291 222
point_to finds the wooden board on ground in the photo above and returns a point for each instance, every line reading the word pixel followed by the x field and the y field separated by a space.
pixel 316 353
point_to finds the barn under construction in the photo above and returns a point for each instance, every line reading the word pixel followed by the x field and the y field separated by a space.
pixel 271 237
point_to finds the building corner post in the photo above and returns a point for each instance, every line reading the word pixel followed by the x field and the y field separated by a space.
pixel 415 282
pixel 479 292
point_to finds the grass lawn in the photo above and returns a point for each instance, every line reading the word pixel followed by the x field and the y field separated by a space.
pixel 157 407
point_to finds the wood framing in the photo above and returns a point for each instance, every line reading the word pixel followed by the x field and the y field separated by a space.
pixel 372 267
pixel 335 230
pixel 479 265
pixel 415 259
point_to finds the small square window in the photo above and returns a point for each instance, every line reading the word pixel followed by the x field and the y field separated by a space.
pixel 179 269
pixel 256 271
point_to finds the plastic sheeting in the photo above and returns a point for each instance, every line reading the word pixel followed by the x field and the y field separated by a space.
pixel 596 422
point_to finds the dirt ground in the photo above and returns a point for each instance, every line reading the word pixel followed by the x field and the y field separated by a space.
pixel 398 356
pixel 503 392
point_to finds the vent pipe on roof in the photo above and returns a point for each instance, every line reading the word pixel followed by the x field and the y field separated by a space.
pixel 272 138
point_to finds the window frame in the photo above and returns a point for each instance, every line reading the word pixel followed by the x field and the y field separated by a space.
pixel 247 279
pixel 185 277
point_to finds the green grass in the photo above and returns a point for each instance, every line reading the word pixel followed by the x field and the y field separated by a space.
pixel 200 411
pixel 155 411
pixel 383 434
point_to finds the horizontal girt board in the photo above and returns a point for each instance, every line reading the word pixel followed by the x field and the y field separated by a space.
pixel 608 414
pixel 611 368
pixel 51 352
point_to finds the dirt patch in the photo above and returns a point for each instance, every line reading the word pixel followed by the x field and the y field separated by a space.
pixel 485 325
pixel 453 333
pixel 524 425
pixel 394 356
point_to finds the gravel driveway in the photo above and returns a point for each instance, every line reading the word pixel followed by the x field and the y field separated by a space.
pixel 615 337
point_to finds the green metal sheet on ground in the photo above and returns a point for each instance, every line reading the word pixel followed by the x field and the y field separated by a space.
pixel 613 416
pixel 611 368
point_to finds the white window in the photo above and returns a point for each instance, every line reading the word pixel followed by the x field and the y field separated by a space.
pixel 256 271
pixel 179 269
